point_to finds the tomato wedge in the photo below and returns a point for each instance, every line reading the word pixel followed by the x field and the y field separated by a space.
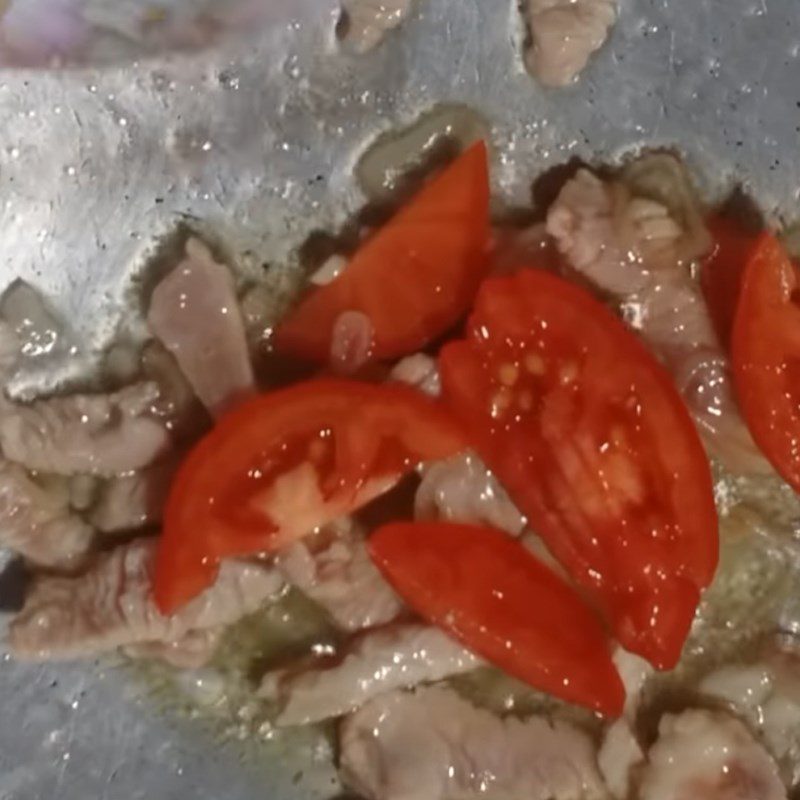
pixel 591 439
pixel 286 462
pixel 414 278
pixel 490 593
pixel 721 275
pixel 765 351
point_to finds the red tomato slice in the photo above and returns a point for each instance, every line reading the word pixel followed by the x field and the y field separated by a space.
pixel 285 463
pixel 765 351
pixel 490 593
pixel 414 278
pixel 721 276
pixel 588 434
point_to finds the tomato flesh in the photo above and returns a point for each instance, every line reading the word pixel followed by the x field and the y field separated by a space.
pixel 766 356
pixel 285 463
pixel 486 590
pixel 414 278
pixel 594 444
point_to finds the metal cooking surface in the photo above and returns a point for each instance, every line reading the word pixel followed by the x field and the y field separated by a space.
pixel 254 143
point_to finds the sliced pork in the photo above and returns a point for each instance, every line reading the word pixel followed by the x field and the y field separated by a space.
pixel 134 501
pixel 99 434
pixel 192 651
pixel 636 239
pixel 463 489
pixel 433 745
pixel 111 605
pixel 334 569
pixel 564 35
pixel 195 313
pixel 379 661
pixel 36 520
pixel 766 694
pixel 366 22
pixel 703 754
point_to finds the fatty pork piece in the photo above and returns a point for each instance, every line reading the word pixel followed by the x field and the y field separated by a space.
pixel 195 313
pixel 377 662
pixel 99 434
pixel 639 249
pixel 192 651
pixel 765 694
pixel 434 745
pixel 366 22
pixel 334 569
pixel 565 34
pixel 463 489
pixel 620 752
pixel 111 605
pixel 134 501
pixel 703 754
pixel 36 520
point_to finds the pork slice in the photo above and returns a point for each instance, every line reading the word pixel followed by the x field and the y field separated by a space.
pixel 134 501
pixel 195 313
pixel 334 569
pixel 100 434
pixel 565 34
pixel 192 651
pixel 620 751
pixel 368 21
pixel 111 605
pixel 463 489
pixel 379 661
pixel 36 520
pixel 434 745
pixel 703 754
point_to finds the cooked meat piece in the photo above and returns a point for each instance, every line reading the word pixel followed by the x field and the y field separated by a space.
pixel 638 248
pixel 192 651
pixel 462 489
pixel 43 339
pixel 620 752
pixel 767 695
pixel 701 754
pixel 565 33
pixel 366 22
pixel 134 501
pixel 334 569
pixel 101 434
pixel 434 745
pixel 9 350
pixel 379 661
pixel 420 371
pixel 195 313
pixel 36 521
pixel 184 416
pixel 111 605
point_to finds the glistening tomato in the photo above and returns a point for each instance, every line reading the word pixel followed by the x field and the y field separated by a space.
pixel 593 442
pixel 488 591
pixel 410 281
pixel 766 355
pixel 285 463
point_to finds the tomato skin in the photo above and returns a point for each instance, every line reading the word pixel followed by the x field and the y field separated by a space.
pixel 288 461
pixel 414 278
pixel 486 590
pixel 722 273
pixel 765 351
pixel 591 439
